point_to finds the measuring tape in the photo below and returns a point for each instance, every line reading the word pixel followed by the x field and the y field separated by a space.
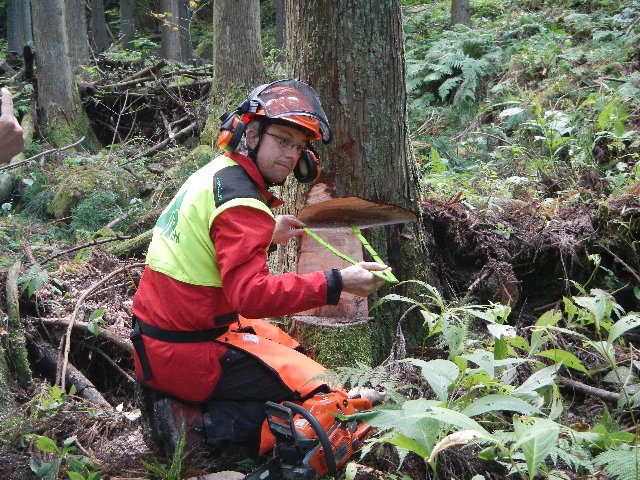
pixel 386 275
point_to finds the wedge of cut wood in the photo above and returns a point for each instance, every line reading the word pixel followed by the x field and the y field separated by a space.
pixel 339 212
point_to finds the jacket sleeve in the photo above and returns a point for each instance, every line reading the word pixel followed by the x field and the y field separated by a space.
pixel 241 236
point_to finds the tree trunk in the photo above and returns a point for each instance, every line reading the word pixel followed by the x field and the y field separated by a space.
pixel 63 118
pixel 237 46
pixel 15 37
pixel 25 18
pixel 170 30
pixel 351 52
pixel 77 38
pixel 127 27
pixel 280 28
pixel 186 47
pixel 460 12
pixel 237 59
pixel 99 35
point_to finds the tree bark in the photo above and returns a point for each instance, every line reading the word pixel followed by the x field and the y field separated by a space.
pixel 25 18
pixel 280 28
pixel 63 117
pixel 237 59
pixel 351 52
pixel 186 47
pixel 127 27
pixel 77 37
pixel 460 12
pixel 170 30
pixel 237 46
pixel 15 38
pixel 99 35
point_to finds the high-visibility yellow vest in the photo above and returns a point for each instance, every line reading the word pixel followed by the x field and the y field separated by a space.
pixel 181 246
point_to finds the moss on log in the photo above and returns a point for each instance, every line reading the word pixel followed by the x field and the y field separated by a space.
pixel 336 346
pixel 17 351
pixel 133 247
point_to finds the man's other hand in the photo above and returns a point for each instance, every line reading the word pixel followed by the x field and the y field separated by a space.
pixel 287 227
pixel 11 136
pixel 359 280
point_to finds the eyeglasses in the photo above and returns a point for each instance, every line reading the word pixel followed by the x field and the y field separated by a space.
pixel 288 143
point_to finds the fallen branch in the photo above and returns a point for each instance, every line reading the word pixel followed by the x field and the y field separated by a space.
pixel 593 391
pixel 150 70
pixel 186 130
pixel 85 245
pixel 16 350
pixel 53 150
pixel 46 356
pixel 103 333
pixel 89 291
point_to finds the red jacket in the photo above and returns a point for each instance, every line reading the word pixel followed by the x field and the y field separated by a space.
pixel 241 236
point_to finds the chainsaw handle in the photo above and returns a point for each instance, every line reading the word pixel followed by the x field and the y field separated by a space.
pixel 322 436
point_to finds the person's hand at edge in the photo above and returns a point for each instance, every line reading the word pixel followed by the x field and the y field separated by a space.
pixel 11 135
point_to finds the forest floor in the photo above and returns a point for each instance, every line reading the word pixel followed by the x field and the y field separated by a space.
pixel 526 263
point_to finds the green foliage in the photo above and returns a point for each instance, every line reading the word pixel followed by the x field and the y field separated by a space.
pixel 95 211
pixel 621 464
pixel 77 467
pixel 33 280
pixel 453 67
pixel 174 470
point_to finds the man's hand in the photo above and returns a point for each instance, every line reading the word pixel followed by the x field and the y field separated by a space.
pixel 11 139
pixel 287 227
pixel 358 279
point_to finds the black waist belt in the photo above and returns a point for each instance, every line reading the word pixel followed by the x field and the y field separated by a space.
pixel 174 336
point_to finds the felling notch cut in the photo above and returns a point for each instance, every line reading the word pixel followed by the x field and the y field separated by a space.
pixel 332 221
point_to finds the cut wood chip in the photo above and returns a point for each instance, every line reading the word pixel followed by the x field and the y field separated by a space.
pixel 461 437
pixel 339 212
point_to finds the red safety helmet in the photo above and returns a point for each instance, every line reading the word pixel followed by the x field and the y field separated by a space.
pixel 283 101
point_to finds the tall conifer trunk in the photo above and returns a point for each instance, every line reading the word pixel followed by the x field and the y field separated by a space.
pixel 351 52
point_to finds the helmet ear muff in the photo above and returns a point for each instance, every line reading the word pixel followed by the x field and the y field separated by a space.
pixel 308 167
pixel 231 131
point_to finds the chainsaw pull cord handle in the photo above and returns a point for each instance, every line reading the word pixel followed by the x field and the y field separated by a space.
pixel 322 436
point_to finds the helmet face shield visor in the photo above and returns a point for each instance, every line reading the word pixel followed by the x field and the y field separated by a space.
pixel 295 99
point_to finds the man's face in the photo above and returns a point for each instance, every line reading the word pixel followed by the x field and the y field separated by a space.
pixel 275 160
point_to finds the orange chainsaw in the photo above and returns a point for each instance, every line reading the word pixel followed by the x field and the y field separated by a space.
pixel 311 440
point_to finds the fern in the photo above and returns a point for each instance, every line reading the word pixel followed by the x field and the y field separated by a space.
pixel 454 65
pixel 362 375
pixel 620 464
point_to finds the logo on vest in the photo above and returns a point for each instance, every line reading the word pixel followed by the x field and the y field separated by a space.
pixel 251 338
pixel 169 219
pixel 218 190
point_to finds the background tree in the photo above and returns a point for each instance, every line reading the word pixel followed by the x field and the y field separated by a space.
pixel 77 35
pixel 238 63
pixel 14 26
pixel 127 26
pixel 460 12
pixel 352 53
pixel 63 117
pixel 237 45
pixel 99 37
pixel 170 30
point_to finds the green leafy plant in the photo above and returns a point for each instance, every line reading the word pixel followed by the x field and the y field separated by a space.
pixel 76 467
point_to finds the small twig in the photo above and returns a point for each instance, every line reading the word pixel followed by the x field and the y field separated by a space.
pixel 151 69
pixel 89 291
pixel 110 361
pixel 188 129
pixel 85 245
pixel 593 391
pixel 54 150
pixel 621 262
pixel 630 27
